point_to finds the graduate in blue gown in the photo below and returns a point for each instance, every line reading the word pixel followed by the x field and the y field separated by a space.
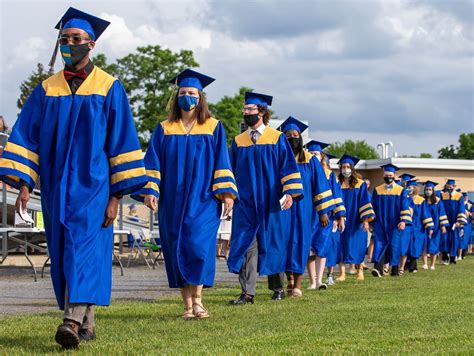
pixel 391 208
pixel 268 180
pixel 455 210
pixel 190 176
pixel 359 213
pixel 422 225
pixel 76 133
pixel 314 184
pixel 440 222
pixel 325 243
pixel 467 227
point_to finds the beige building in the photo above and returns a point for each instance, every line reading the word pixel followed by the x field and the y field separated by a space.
pixel 438 170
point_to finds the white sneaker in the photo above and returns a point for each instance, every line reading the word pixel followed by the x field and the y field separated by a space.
pixel 432 268
pixel 330 281
pixel 446 263
pixel 312 286
pixel 425 267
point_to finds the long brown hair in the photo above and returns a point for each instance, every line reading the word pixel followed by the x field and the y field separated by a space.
pixel 355 176
pixel 201 111
pixel 265 113
pixel 432 198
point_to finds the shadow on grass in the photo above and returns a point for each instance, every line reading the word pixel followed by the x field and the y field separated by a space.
pixel 30 343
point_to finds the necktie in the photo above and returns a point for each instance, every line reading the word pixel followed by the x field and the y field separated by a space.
pixel 81 74
pixel 253 136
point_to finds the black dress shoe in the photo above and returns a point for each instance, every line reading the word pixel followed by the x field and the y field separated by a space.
pixel 67 335
pixel 243 299
pixel 278 295
pixel 86 334
pixel 376 273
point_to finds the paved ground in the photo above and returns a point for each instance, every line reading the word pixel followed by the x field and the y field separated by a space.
pixel 19 294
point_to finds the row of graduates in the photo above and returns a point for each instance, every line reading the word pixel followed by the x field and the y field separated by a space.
pixel 76 134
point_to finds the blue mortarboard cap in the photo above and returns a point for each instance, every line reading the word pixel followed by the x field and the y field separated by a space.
pixel 398 181
pixel 390 168
pixel 438 193
pixel 412 183
pixel 316 145
pixel 74 18
pixel 406 176
pixel 451 182
pixel 348 159
pixel 430 184
pixel 193 79
pixel 329 156
pixel 258 99
pixel 293 124
pixel 464 194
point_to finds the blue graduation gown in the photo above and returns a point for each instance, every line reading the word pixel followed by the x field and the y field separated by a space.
pixel 390 208
pixel 467 227
pixel 84 147
pixel 315 186
pixel 455 210
pixel 422 222
pixel 326 243
pixel 189 173
pixel 358 209
pixel 264 172
pixel 439 217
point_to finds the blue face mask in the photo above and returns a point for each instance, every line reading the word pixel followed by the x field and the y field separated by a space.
pixel 187 102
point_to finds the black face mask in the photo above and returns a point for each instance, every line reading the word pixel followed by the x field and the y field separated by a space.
pixel 73 54
pixel 388 180
pixel 450 190
pixel 251 120
pixel 296 143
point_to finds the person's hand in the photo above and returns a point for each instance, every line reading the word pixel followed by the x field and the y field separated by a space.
pixel 443 229
pixel 288 202
pixel 365 226
pixel 22 199
pixel 323 220
pixel 228 204
pixel 461 233
pixel 111 211
pixel 151 202
pixel 430 233
pixel 342 224
pixel 401 226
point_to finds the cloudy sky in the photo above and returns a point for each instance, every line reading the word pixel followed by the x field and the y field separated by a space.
pixel 376 70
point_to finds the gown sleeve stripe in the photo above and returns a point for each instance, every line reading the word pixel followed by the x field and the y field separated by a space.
pixel 292 187
pixel 324 206
pixel 128 174
pixel 406 218
pixel 339 209
pixel 23 152
pixel 338 201
pixel 153 173
pixel 427 220
pixel 219 189
pixel 14 166
pixel 405 212
pixel 219 173
pixel 366 206
pixel 322 195
pixel 290 176
pixel 126 157
pixel 366 213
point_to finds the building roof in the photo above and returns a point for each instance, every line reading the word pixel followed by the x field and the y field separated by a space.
pixel 415 163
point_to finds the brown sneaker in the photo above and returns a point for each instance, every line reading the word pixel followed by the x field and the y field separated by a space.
pixel 67 334
pixel 86 334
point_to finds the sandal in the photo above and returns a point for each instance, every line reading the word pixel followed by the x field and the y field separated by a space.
pixel 296 293
pixel 200 312
pixel 188 314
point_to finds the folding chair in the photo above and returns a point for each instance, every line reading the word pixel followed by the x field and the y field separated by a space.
pixel 136 244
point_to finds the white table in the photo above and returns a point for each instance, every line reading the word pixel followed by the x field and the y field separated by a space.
pixel 25 231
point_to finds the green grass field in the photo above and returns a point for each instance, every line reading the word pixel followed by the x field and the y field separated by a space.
pixel 432 311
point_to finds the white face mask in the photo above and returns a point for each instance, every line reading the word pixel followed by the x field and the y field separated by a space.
pixel 346 173
pixel 428 193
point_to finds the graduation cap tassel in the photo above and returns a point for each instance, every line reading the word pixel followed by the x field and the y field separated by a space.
pixel 174 91
pixel 56 48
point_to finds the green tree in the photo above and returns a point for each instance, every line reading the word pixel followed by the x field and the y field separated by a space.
pixel 145 75
pixel 465 150
pixel 229 111
pixel 27 86
pixel 425 155
pixel 101 61
pixel 360 149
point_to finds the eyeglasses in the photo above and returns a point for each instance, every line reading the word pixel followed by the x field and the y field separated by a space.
pixel 75 39
pixel 250 109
